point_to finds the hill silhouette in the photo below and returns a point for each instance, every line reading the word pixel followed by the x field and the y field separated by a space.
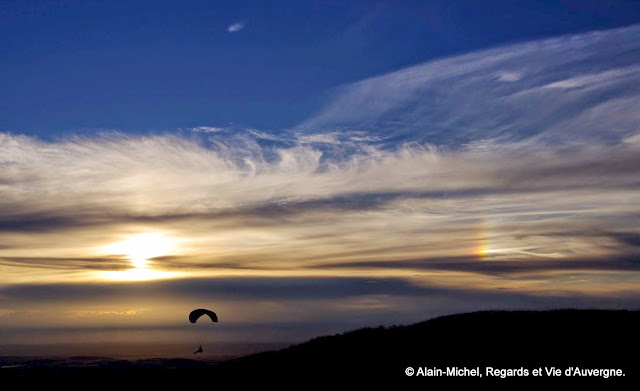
pixel 586 339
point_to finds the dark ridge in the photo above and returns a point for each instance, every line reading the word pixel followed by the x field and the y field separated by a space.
pixel 590 339
pixel 502 339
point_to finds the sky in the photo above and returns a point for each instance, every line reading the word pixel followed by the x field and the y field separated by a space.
pixel 306 168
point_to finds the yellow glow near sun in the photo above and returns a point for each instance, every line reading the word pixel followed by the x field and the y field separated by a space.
pixel 482 251
pixel 139 249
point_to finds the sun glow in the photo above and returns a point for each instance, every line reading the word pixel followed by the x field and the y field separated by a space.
pixel 482 251
pixel 482 248
pixel 139 249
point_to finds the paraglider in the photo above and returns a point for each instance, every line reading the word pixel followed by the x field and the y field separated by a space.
pixel 196 314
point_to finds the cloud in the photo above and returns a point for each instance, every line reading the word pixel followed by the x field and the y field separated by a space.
pixel 628 238
pixel 544 264
pixel 235 27
pixel 206 129
pixel 219 288
pixel 290 205
pixel 106 263
pixel 527 93
pixel 509 76
pixel 595 79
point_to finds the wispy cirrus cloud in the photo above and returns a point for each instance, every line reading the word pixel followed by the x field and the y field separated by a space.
pixel 205 129
pixel 528 92
pixel 235 27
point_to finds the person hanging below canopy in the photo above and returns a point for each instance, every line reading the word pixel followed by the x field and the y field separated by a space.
pixel 196 314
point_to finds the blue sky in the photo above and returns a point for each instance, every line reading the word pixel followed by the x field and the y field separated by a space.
pixel 141 66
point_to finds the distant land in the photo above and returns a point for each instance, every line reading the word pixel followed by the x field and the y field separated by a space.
pixel 135 350
pixel 595 346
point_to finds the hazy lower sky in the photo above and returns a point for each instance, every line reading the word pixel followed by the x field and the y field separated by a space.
pixel 305 168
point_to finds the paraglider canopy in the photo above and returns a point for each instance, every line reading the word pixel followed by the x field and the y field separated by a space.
pixel 196 314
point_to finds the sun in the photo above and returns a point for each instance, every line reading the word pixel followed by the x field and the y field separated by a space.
pixel 139 249
pixel 142 247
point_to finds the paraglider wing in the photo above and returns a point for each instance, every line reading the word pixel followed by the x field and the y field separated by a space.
pixel 196 314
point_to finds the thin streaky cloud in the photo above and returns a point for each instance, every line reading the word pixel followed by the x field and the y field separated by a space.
pixel 528 92
pixel 206 129
pixel 235 27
